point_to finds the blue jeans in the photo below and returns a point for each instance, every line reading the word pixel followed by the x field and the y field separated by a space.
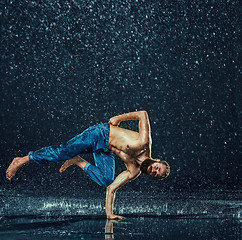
pixel 92 140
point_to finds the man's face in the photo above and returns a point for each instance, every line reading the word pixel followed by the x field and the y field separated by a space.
pixel 156 170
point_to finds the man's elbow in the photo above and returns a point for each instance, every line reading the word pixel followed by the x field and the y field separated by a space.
pixel 111 189
pixel 143 114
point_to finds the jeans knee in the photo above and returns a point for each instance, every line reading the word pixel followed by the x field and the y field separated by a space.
pixel 107 181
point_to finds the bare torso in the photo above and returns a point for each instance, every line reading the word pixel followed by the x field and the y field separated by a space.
pixel 126 145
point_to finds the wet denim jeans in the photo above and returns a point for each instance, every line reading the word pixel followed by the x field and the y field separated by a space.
pixel 92 140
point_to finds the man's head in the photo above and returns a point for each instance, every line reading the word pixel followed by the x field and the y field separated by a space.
pixel 155 168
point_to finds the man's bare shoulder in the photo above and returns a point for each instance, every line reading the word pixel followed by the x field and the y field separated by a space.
pixel 133 168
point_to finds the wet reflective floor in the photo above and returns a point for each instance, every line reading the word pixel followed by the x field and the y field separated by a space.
pixel 185 216
pixel 96 227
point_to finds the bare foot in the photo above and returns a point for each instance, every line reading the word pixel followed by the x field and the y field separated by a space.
pixel 17 163
pixel 69 162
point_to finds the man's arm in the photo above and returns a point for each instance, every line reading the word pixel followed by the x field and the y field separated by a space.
pixel 126 116
pixel 144 124
pixel 119 181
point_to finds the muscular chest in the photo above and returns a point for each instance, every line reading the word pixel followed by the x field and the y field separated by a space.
pixel 129 154
pixel 126 144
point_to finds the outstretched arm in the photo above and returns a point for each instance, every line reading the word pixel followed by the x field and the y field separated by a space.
pixel 119 181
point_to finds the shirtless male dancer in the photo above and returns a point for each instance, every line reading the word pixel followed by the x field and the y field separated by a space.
pixel 134 148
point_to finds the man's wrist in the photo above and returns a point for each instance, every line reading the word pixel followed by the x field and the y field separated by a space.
pixel 109 215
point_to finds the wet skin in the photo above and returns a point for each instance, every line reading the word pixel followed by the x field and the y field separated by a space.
pixel 132 147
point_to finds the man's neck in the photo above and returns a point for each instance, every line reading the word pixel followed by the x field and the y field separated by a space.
pixel 141 159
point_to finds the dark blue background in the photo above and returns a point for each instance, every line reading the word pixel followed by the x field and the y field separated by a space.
pixel 67 65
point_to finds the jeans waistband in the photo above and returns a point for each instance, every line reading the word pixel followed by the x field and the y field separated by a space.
pixel 105 130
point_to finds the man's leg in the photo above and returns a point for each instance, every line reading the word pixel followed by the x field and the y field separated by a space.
pixel 79 161
pixel 104 169
pixel 17 163
pixel 82 143
pixel 102 173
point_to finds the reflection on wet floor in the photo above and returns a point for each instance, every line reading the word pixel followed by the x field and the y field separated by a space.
pixel 109 229
pixel 130 228
pixel 183 216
